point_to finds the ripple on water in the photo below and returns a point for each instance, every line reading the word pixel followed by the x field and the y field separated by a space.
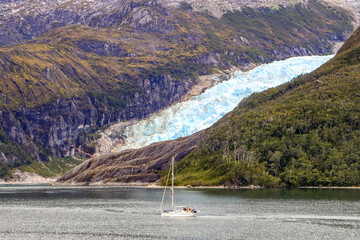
pixel 224 214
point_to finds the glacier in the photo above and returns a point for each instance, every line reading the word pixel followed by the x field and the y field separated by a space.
pixel 200 112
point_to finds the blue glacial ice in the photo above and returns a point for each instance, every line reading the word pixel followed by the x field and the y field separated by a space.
pixel 200 112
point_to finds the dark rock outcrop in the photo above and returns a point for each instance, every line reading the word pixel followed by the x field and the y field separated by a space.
pixel 102 48
pixel 15 132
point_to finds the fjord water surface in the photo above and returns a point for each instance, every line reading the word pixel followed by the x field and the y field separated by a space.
pixel 200 112
pixel 132 213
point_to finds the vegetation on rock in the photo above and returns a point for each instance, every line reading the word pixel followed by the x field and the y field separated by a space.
pixel 54 167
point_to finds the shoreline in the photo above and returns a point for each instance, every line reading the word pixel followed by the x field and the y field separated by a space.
pixel 154 186
pixel 332 187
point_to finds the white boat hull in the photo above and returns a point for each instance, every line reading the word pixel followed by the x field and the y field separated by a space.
pixel 182 212
pixel 177 214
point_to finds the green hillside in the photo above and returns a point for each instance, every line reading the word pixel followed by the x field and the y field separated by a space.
pixel 303 133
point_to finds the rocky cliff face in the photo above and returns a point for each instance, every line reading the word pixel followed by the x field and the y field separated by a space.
pixel 65 122
pixel 351 5
pixel 72 67
pixel 25 20
pixel 217 8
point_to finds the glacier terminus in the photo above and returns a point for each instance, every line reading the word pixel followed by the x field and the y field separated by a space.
pixel 200 112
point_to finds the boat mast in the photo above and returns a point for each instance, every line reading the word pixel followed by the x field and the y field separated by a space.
pixel 167 181
pixel 172 184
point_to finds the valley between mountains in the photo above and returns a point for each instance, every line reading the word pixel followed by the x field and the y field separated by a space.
pixel 302 133
pixel 70 70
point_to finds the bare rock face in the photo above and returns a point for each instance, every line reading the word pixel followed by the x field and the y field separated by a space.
pixel 13 127
pixel 56 76
pixel 150 19
pixel 27 19
pixel 101 48
pixel 62 124
pixel 132 166
pixel 351 5
pixel 218 7
pixel 3 157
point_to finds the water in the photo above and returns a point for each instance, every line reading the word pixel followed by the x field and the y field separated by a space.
pixel 200 112
pixel 131 213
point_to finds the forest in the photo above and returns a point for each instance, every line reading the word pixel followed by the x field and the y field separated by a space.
pixel 303 133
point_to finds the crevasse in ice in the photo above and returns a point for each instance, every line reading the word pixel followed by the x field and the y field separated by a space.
pixel 200 112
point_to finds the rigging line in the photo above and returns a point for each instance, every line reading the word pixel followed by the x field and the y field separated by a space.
pixel 167 179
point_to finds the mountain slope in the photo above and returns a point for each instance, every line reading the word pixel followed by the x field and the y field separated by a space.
pixel 304 133
pixel 72 67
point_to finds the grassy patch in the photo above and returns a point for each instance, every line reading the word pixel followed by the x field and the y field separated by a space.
pixel 55 167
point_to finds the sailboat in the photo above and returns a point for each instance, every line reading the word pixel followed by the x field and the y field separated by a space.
pixel 173 212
